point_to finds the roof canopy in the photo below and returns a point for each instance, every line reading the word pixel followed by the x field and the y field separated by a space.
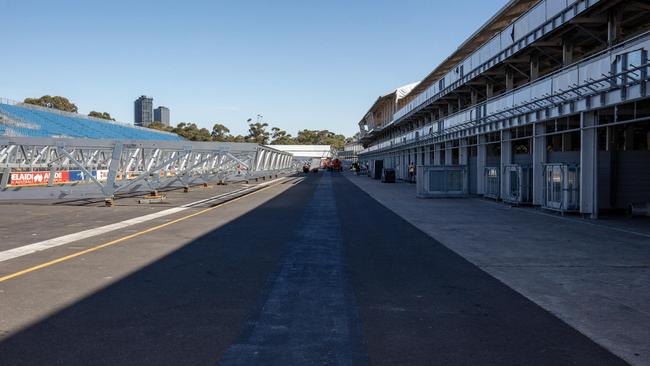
pixel 399 93
pixel 499 21
pixel 306 151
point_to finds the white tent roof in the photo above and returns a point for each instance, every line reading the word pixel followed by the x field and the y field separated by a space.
pixel 306 151
pixel 402 91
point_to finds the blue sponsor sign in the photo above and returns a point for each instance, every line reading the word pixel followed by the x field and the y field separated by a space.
pixel 77 175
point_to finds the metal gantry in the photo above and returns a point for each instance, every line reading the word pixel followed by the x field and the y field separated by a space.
pixel 105 168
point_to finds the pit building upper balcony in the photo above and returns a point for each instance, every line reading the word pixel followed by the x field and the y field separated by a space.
pixel 522 59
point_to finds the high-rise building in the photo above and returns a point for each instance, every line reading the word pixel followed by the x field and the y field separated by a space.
pixel 143 111
pixel 161 114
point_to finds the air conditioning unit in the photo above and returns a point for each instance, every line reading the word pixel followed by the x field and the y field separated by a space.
pixel 434 181
pixel 561 187
pixel 492 183
pixel 518 180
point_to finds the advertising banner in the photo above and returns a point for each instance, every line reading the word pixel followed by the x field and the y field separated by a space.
pixel 77 175
pixel 101 174
pixel 33 178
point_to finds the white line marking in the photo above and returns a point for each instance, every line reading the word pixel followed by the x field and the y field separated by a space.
pixel 62 240
pixel 215 197
pixel 46 244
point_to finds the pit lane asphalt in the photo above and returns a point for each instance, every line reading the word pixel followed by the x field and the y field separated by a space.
pixel 315 273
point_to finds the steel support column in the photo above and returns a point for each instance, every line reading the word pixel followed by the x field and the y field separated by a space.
pixel 481 159
pixel 589 165
pixel 539 159
pixel 506 157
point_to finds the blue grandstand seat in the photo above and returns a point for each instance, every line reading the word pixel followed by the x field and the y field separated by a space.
pixel 42 123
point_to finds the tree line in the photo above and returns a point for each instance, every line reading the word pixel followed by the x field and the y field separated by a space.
pixel 257 132
pixel 64 104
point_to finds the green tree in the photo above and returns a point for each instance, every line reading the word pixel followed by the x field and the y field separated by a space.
pixel 257 133
pixel 353 138
pixel 191 131
pixel 281 137
pixel 220 133
pixel 238 138
pixel 102 115
pixel 56 102
pixel 187 130
pixel 320 137
pixel 337 141
pixel 307 137
pixel 161 127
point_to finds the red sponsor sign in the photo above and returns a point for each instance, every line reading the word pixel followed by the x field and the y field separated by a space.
pixel 31 178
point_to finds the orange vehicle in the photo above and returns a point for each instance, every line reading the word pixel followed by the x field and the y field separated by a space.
pixel 335 165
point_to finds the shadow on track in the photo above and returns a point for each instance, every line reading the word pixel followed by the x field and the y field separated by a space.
pixel 184 309
pixel 405 298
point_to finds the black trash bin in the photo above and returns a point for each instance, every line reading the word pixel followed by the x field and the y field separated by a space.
pixel 388 175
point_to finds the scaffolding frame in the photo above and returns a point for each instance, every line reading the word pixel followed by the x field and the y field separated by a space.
pixel 129 165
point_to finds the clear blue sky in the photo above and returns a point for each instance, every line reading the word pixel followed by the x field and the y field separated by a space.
pixel 301 64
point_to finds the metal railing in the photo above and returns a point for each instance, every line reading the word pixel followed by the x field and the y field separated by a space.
pixel 530 26
pixel 592 79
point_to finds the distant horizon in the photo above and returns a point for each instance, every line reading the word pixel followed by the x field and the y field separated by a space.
pixel 172 124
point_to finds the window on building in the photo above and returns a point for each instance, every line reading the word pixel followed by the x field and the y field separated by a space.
pixel 493 149
pixel 602 139
pixel 629 61
pixel 455 156
pixel 521 146
pixel 554 142
pixel 633 137
pixel 641 137
pixel 617 67
pixel 634 60
pixel 571 141
pixel 625 112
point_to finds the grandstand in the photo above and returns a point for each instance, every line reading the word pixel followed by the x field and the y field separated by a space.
pixel 23 120
pixel 55 153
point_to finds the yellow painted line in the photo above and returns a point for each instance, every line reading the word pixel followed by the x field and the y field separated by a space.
pixel 116 241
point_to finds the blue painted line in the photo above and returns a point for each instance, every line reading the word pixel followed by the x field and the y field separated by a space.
pixel 310 315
